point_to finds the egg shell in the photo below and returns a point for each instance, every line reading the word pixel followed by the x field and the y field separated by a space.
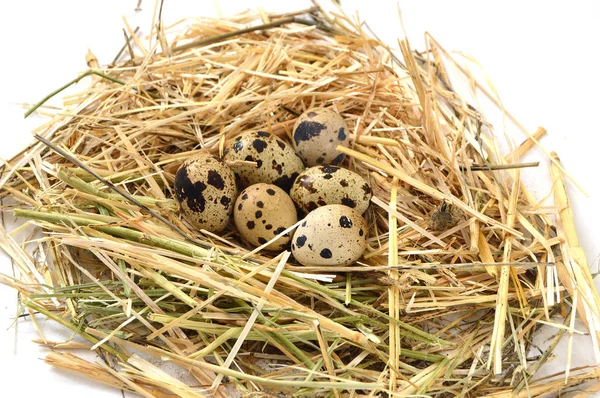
pixel 330 236
pixel 205 189
pixel 276 161
pixel 317 133
pixel 263 211
pixel 330 185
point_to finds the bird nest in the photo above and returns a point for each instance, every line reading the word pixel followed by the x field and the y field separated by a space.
pixel 461 270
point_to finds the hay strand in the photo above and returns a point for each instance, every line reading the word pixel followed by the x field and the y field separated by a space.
pixel 463 265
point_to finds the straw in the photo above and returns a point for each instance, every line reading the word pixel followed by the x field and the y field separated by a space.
pixel 432 308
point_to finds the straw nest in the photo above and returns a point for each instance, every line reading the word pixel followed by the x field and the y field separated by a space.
pixel 462 266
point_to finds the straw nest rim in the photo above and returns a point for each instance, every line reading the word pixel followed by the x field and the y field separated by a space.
pixel 440 309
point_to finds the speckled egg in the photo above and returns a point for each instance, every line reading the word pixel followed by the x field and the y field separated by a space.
pixel 317 133
pixel 330 235
pixel 276 161
pixel 330 185
pixel 263 211
pixel 205 190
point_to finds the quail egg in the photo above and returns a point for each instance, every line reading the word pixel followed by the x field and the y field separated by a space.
pixel 276 161
pixel 205 190
pixel 331 235
pixel 263 211
pixel 317 133
pixel 329 185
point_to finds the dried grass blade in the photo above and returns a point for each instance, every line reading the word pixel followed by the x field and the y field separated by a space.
pixel 258 308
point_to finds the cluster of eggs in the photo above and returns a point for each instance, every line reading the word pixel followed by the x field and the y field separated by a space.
pixel 333 232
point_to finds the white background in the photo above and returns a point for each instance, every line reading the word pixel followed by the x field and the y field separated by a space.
pixel 543 57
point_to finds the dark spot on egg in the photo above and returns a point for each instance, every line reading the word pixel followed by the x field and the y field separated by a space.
pixel 304 223
pixel 307 130
pixel 238 146
pixel 320 160
pixel 258 214
pixel 311 114
pixel 345 222
pixel 329 169
pixel 240 206
pixel 327 177
pixel 191 193
pixel 259 145
pixel 366 189
pixel 344 183
pixel 268 227
pixel 245 196
pixel 262 240
pixel 249 158
pixel 310 246
pixel 276 166
pixel 300 241
pixel 225 201
pixel 321 202
pixel 215 179
pixel 263 134
pixel 278 230
pixel 325 253
pixel 281 144
pixel 259 163
pixel 338 159
pixel 285 182
pixel 348 202
pixel 361 232
pixel 306 182
pixel 311 206
pixel 250 224
pixel 341 134
pixel 260 204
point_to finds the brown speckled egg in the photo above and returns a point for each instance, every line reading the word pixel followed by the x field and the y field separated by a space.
pixel 317 133
pixel 330 236
pixel 263 211
pixel 276 161
pixel 205 190
pixel 330 185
